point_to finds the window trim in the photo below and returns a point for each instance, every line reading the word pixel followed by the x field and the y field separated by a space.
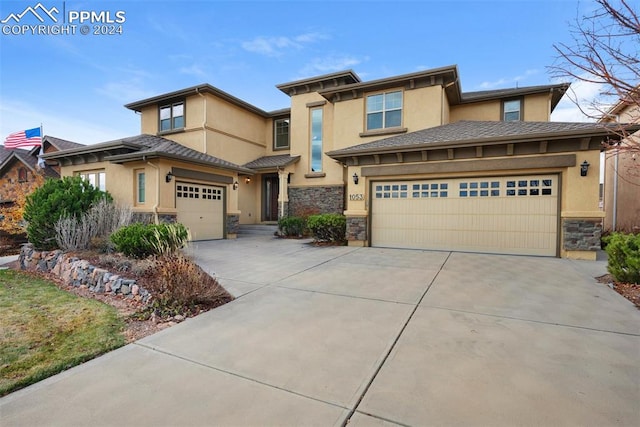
pixel 171 105
pixel 99 173
pixel 384 111
pixel 138 174
pixel 520 111
pixel 275 134
pixel 311 110
pixel 23 174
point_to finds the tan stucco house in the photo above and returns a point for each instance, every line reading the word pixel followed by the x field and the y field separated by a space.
pixel 411 160
pixel 622 173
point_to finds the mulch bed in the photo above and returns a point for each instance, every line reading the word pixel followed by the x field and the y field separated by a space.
pixel 630 291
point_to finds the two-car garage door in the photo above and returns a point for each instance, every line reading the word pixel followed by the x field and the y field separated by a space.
pixel 512 215
pixel 201 209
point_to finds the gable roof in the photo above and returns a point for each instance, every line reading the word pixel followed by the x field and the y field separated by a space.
pixel 196 90
pixel 469 133
pixel 142 147
pixel 27 158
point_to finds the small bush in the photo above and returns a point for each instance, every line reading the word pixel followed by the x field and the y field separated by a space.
pixel 328 227
pixel 182 286
pixel 142 240
pixel 57 198
pixel 292 226
pixel 624 257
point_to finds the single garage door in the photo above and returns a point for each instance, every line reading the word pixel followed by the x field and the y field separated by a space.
pixel 201 209
pixel 507 215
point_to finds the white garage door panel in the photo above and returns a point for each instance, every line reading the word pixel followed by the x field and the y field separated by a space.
pixel 201 209
pixel 516 215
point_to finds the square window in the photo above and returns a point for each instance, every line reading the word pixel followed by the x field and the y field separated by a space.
pixel 463 185
pixel 384 110
pixel 434 194
pixel 416 194
pixel 171 116
pixel 387 188
pixel 463 193
pixel 522 192
pixel 534 183
pixel 425 194
pixel 495 193
pixel 416 186
pixel 511 184
pixel 511 192
pixel 403 194
pixel 444 186
pixel 546 192
pixel 403 187
pixel 495 184
pixel 395 188
pixel 522 183
pixel 425 186
pixel 484 193
pixel 378 187
pixel 534 192
pixel 444 194
pixel 546 182
pixel 473 193
pixel 473 185
pixel 387 195
pixel 484 185
pixel 434 186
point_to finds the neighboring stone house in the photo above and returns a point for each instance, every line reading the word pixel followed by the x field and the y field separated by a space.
pixel 622 174
pixel 411 160
pixel 18 168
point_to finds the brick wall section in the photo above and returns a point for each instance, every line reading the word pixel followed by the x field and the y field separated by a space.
pixel 314 200
pixel 233 223
pixel 581 234
pixel 357 228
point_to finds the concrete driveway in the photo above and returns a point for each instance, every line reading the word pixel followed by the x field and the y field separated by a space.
pixel 330 335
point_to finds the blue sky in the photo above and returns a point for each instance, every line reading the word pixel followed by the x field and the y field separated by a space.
pixel 76 85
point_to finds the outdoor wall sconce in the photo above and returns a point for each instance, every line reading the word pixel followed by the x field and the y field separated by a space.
pixel 356 178
pixel 247 180
pixel 235 185
pixel 584 168
pixel 168 177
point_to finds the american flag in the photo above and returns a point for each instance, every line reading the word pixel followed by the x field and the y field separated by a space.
pixel 25 138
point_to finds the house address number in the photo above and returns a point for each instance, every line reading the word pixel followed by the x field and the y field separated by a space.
pixel 356 197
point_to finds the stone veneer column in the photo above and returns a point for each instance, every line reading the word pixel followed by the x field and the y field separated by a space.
pixel 581 234
pixel 233 224
pixel 357 230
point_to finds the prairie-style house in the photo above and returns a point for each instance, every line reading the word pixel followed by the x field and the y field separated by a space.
pixel 411 160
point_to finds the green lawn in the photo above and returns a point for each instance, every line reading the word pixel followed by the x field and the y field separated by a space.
pixel 45 330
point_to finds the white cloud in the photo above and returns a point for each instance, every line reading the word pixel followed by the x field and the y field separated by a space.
pixel 125 91
pixel 193 70
pixel 508 81
pixel 17 115
pixel 279 45
pixel 578 98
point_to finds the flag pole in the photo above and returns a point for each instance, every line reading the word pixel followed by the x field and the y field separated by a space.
pixel 41 162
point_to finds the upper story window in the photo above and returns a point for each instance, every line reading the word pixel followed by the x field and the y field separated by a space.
pixel 281 134
pixel 172 116
pixel 316 140
pixel 95 178
pixel 512 110
pixel 22 174
pixel 384 110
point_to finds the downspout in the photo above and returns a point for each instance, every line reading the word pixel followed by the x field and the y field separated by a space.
pixel 204 121
pixel 155 207
pixel 615 192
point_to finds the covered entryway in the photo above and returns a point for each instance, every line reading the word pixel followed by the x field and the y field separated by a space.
pixel 201 209
pixel 270 192
pixel 509 214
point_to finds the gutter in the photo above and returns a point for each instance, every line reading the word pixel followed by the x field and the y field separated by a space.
pixel 204 120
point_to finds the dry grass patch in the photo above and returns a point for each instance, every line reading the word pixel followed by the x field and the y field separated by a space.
pixel 45 330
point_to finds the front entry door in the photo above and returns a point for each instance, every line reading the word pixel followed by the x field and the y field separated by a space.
pixel 270 190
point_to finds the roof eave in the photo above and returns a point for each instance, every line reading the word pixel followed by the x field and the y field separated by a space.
pixel 89 149
pixel 133 157
pixel 339 154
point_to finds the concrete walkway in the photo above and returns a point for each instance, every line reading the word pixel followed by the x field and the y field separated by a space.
pixel 368 336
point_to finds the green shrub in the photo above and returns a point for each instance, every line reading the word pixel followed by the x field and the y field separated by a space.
pixel 57 198
pixel 292 226
pixel 142 240
pixel 624 257
pixel 328 227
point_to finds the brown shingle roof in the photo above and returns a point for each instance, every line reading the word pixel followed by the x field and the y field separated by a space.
pixel 61 144
pixel 145 147
pixel 270 162
pixel 474 132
